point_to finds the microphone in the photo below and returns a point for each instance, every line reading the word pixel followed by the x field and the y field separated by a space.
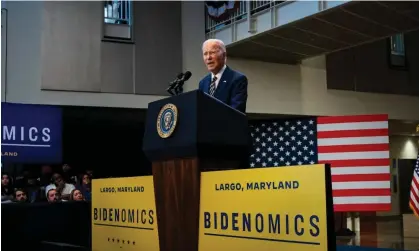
pixel 184 78
pixel 174 83
pixel 187 76
pixel 179 86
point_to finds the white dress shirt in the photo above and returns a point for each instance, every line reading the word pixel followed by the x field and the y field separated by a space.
pixel 218 75
pixel 68 188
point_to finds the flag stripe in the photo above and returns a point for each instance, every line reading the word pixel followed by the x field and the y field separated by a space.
pixel 414 189
pixel 357 148
pixel 361 192
pixel 364 177
pixel 415 202
pixel 361 200
pixel 352 133
pixel 414 193
pixel 351 141
pixel 360 184
pixel 373 127
pixel 353 148
pixel 354 155
pixel 415 209
pixel 356 162
pixel 346 119
pixel 362 207
pixel 360 170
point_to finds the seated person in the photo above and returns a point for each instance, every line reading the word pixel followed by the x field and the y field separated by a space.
pixel 6 188
pixel 68 174
pixel 61 187
pixel 52 195
pixel 85 186
pixel 33 190
pixel 20 195
pixel 76 195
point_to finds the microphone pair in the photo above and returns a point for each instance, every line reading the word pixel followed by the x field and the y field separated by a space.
pixel 177 84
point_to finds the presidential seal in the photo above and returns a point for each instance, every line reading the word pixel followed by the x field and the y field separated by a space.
pixel 166 120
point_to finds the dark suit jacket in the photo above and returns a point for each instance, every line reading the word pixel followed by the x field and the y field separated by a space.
pixel 231 89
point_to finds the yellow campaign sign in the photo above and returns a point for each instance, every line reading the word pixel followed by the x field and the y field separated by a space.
pixel 281 208
pixel 124 214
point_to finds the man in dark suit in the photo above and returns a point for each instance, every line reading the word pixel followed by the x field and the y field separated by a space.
pixel 222 82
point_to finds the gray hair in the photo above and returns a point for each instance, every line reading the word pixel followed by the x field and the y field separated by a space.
pixel 219 42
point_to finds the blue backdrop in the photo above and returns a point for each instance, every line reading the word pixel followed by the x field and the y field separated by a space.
pixel 31 133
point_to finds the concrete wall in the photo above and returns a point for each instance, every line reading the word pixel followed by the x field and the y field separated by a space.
pixel 368 68
pixel 302 89
pixel 273 88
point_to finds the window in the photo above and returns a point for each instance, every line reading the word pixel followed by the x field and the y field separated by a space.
pixel 117 12
pixel 118 20
pixel 397 44
pixel 397 51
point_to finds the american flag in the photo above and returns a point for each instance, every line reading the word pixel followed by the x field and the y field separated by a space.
pixel 355 146
pixel 414 190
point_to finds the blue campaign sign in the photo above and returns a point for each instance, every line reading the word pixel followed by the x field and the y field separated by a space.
pixel 31 133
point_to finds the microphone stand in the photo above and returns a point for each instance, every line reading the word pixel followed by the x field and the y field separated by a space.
pixel 179 87
pixel 172 85
pixel 176 86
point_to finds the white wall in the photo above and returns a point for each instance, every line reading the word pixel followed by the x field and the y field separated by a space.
pixel 404 147
pixel 285 89
pixel 273 88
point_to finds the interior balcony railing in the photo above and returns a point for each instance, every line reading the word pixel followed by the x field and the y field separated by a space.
pixel 254 17
pixel 117 20
pixel 293 30
pixel 240 12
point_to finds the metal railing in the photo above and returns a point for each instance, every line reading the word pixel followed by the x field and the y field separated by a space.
pixel 258 6
pixel 118 12
pixel 239 13
pixel 397 45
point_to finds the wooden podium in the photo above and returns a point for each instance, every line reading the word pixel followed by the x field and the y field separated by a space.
pixel 184 135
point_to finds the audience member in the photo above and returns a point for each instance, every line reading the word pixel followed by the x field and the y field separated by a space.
pixel 34 185
pixel 46 175
pixel 76 195
pixel 33 190
pixel 85 186
pixel 20 195
pixel 53 195
pixel 6 188
pixel 90 173
pixel 69 174
pixel 64 189
pixel 22 179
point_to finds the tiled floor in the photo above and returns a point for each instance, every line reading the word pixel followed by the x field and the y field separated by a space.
pixel 397 233
pixel 411 232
